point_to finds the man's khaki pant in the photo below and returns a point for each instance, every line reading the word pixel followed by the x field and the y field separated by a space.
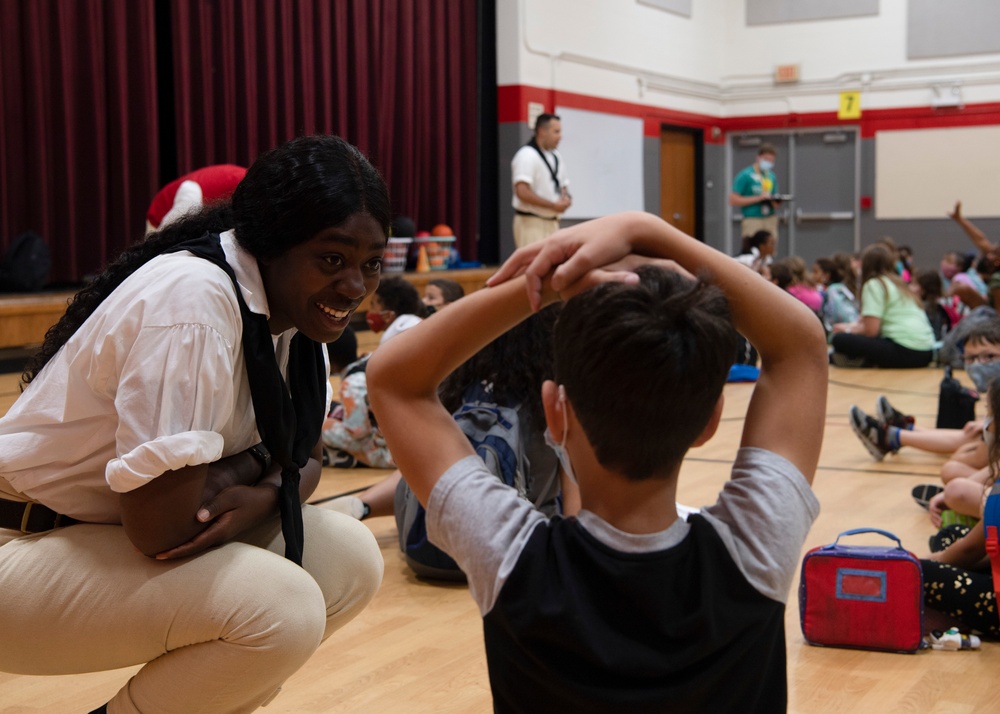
pixel 530 229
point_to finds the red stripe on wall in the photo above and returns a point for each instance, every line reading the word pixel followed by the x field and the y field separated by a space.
pixel 512 107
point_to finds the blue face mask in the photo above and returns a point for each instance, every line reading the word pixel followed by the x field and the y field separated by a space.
pixel 982 374
pixel 560 449
pixel 765 165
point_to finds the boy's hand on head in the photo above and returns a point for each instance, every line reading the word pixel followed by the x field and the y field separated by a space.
pixel 632 262
pixel 596 277
pixel 568 255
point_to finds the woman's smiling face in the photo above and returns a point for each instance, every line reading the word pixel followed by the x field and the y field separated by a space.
pixel 317 285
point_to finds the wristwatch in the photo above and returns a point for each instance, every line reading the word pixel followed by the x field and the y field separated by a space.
pixel 260 452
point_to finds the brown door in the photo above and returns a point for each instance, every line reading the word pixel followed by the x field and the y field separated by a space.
pixel 677 179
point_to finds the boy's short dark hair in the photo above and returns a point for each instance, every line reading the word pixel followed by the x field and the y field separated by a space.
pixel 451 290
pixel 781 274
pixel 984 331
pixel 643 366
pixel 767 149
pixel 399 295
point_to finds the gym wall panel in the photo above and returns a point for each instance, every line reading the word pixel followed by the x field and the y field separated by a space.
pixel 920 173
pixel 953 28
pixel 769 12
pixel 680 7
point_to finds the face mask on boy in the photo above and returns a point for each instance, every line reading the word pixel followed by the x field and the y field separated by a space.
pixel 765 165
pixel 982 374
pixel 560 449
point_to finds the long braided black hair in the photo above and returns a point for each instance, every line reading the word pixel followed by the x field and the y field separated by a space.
pixel 290 194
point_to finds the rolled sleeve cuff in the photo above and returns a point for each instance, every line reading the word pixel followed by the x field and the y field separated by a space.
pixel 165 453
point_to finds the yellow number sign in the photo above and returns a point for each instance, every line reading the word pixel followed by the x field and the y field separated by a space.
pixel 850 105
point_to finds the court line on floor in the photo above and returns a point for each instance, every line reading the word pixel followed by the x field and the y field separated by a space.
pixel 881 390
pixel 851 469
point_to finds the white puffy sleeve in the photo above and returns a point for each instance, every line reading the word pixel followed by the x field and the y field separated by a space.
pixel 175 395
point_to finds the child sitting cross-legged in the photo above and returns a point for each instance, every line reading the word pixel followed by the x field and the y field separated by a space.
pixel 624 606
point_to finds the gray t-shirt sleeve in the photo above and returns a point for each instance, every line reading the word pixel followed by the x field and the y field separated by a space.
pixel 482 523
pixel 763 515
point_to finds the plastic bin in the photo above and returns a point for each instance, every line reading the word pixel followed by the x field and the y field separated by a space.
pixel 438 250
pixel 396 251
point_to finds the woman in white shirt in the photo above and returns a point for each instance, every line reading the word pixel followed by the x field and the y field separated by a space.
pixel 141 485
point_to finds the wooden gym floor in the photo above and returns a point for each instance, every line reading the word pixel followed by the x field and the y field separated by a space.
pixel 418 647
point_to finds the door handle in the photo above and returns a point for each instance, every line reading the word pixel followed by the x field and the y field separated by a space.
pixel 801 216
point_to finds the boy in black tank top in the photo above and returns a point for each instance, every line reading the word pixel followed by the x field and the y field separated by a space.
pixel 625 607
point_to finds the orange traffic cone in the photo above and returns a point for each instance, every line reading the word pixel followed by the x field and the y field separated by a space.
pixel 423 264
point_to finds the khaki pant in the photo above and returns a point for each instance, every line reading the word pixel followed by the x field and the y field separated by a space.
pixel 749 226
pixel 219 632
pixel 529 229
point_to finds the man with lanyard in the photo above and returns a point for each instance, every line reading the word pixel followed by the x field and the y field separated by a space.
pixel 754 191
pixel 540 186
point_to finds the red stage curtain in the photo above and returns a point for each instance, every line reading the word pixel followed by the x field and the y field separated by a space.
pixel 397 78
pixel 78 126
pixel 79 142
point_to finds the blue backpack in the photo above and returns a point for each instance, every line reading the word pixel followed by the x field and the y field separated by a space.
pixel 991 529
pixel 495 434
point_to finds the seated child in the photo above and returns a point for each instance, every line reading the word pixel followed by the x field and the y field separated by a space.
pixel 610 609
pixel 785 274
pixel 514 365
pixel 893 331
pixel 839 303
pixel 974 279
pixel 351 434
pixel 958 581
pixel 890 429
pixel 758 252
pixel 944 312
pixel 441 292
pixel 395 306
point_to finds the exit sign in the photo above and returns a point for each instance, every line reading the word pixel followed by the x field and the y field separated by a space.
pixel 785 73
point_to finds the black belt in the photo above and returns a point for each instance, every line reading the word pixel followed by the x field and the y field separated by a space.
pixel 534 215
pixel 31 517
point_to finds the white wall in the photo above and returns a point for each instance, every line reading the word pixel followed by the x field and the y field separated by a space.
pixel 713 64
pixel 605 48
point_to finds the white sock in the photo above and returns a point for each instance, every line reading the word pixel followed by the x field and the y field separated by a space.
pixel 348 505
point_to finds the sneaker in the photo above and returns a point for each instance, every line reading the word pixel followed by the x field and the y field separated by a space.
pixel 348 505
pixel 923 494
pixel 890 416
pixel 338 459
pixel 871 433
pixel 952 640
pixel 838 359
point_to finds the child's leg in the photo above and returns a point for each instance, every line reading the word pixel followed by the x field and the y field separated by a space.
pixel 879 351
pixel 380 497
pixel 966 461
pixel 965 496
pixel 937 441
pixel 966 595
pixel 956 469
